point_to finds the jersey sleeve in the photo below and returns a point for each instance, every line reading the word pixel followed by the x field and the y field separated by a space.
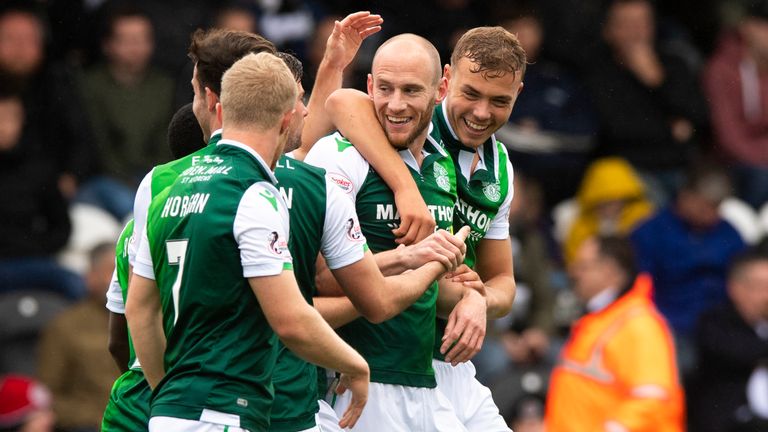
pixel 140 210
pixel 115 296
pixel 143 265
pixel 343 242
pixel 344 165
pixel 499 228
pixel 261 232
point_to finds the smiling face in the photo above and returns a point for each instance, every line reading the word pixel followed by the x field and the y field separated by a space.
pixel 404 88
pixel 479 103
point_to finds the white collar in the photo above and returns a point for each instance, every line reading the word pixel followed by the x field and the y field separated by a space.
pixel 253 153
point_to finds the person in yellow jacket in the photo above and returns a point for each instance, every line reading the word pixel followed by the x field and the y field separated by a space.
pixel 617 372
pixel 611 200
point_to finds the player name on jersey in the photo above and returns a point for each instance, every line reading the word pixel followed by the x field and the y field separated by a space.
pixel 180 206
pixel 388 212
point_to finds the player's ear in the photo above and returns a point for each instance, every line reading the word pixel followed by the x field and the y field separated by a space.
pixel 442 89
pixel 285 122
pixel 211 99
pixel 370 86
pixel 447 72
pixel 219 112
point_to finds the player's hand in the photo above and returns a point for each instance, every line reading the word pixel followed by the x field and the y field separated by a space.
pixel 358 385
pixel 468 278
pixel 416 222
pixel 347 36
pixel 441 246
pixel 465 331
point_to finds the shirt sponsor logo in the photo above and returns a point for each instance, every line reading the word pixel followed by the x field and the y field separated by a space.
pixel 276 245
pixel 353 230
pixel 341 181
pixel 476 218
pixel 492 191
pixel 441 177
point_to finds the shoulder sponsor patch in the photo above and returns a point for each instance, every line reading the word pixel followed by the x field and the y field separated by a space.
pixel 353 230
pixel 341 181
pixel 276 244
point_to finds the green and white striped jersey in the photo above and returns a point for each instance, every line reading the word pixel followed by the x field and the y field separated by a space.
pixel 399 350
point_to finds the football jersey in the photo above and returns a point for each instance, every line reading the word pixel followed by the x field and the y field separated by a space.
pixel 484 195
pixel 128 406
pixel 323 220
pixel 221 222
pixel 399 350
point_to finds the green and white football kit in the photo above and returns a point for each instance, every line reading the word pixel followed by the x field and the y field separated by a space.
pixel 221 222
pixel 128 406
pixel 323 220
pixel 485 195
pixel 402 394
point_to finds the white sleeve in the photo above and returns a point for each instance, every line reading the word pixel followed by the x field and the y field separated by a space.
pixel 343 164
pixel 143 266
pixel 115 296
pixel 261 231
pixel 140 209
pixel 499 228
pixel 343 242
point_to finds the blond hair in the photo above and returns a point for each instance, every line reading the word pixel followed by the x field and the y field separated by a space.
pixel 256 91
pixel 493 50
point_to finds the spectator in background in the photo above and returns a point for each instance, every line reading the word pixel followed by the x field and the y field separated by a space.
pixel 736 83
pixel 129 104
pixel 237 17
pixel 732 340
pixel 73 361
pixel 648 103
pixel 527 414
pixel 25 405
pixel 611 201
pixel 51 101
pixel 686 248
pixel 34 217
pixel 617 371
pixel 552 128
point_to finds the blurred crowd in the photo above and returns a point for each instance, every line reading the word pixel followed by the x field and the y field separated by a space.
pixel 640 120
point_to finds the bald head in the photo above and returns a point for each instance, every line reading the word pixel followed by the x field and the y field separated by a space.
pixel 410 46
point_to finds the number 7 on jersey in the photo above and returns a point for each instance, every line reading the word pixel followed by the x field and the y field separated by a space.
pixel 177 252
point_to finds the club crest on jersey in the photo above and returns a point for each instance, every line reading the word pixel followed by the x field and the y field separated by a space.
pixel 441 177
pixel 276 245
pixel 341 181
pixel 353 230
pixel 492 191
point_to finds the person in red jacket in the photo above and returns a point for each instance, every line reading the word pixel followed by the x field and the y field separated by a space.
pixel 617 372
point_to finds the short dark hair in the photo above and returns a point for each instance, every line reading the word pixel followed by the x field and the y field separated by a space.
pixel 122 11
pixel 619 250
pixel 494 50
pixel 745 259
pixel 184 133
pixel 216 50
pixel 293 63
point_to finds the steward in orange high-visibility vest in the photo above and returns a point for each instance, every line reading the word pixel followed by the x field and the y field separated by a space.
pixel 617 371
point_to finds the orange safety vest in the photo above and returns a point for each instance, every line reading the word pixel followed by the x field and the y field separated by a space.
pixel 618 368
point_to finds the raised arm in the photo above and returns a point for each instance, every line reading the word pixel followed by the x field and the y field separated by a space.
pixel 353 115
pixel 340 50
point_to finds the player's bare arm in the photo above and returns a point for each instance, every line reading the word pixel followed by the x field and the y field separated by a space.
pixel 366 287
pixel 142 310
pixel 303 331
pixel 118 340
pixel 340 49
pixel 495 267
pixel 462 301
pixel 351 111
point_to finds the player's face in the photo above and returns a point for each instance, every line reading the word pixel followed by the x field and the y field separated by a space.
pixel 404 94
pixel 297 122
pixel 478 106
